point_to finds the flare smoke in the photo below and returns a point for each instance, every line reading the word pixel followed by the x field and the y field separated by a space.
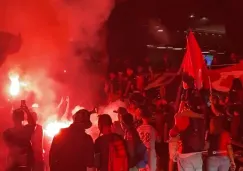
pixel 58 35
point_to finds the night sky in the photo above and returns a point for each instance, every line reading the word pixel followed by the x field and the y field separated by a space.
pixel 128 22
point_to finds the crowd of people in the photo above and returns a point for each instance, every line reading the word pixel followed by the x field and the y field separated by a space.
pixel 150 134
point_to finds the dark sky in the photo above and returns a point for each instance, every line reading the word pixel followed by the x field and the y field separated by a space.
pixel 127 23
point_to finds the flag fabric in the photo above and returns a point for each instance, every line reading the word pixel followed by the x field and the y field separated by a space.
pixel 161 79
pixel 193 63
pixel 221 79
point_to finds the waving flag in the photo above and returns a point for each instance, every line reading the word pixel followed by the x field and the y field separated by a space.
pixel 221 79
pixel 193 62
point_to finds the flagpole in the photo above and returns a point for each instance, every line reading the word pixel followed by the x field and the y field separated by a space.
pixel 210 85
pixel 179 91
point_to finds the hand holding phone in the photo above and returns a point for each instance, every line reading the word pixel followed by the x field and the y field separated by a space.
pixel 23 104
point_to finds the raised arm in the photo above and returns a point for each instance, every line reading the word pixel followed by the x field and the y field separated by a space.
pixel 30 117
pixel 67 107
pixel 128 86
pixel 60 104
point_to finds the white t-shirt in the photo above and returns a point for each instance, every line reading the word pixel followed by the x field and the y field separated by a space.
pixel 148 136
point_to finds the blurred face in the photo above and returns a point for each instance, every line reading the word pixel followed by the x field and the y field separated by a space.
pixel 112 75
pixel 140 69
pixel 160 102
pixel 138 113
pixel 129 71
pixel 132 106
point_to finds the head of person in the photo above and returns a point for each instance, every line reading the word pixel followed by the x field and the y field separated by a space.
pixel 129 71
pixel 187 81
pixel 182 122
pixel 139 69
pixel 18 117
pixel 143 113
pixel 135 100
pixel 127 121
pixel 161 103
pixel 120 111
pixel 112 75
pixel 216 125
pixel 105 123
pixel 82 117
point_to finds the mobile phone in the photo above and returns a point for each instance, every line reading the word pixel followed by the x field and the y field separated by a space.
pixel 23 103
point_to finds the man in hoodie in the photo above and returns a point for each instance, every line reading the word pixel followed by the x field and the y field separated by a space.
pixel 73 149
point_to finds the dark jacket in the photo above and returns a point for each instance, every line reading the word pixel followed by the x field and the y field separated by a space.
pixel 72 149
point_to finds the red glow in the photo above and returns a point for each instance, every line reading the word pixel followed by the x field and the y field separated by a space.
pixel 35 105
pixel 14 88
pixel 54 127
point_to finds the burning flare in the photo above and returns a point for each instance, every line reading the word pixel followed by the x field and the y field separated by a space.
pixel 53 128
pixel 15 85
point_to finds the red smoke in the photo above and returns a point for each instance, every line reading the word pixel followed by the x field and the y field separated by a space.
pixel 53 31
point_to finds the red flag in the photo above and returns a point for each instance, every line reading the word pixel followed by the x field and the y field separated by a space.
pixel 193 62
pixel 222 79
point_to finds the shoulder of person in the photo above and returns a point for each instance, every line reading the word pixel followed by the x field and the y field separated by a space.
pixel 7 132
pixel 38 126
pixel 62 132
pixel 88 137
pixel 30 126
